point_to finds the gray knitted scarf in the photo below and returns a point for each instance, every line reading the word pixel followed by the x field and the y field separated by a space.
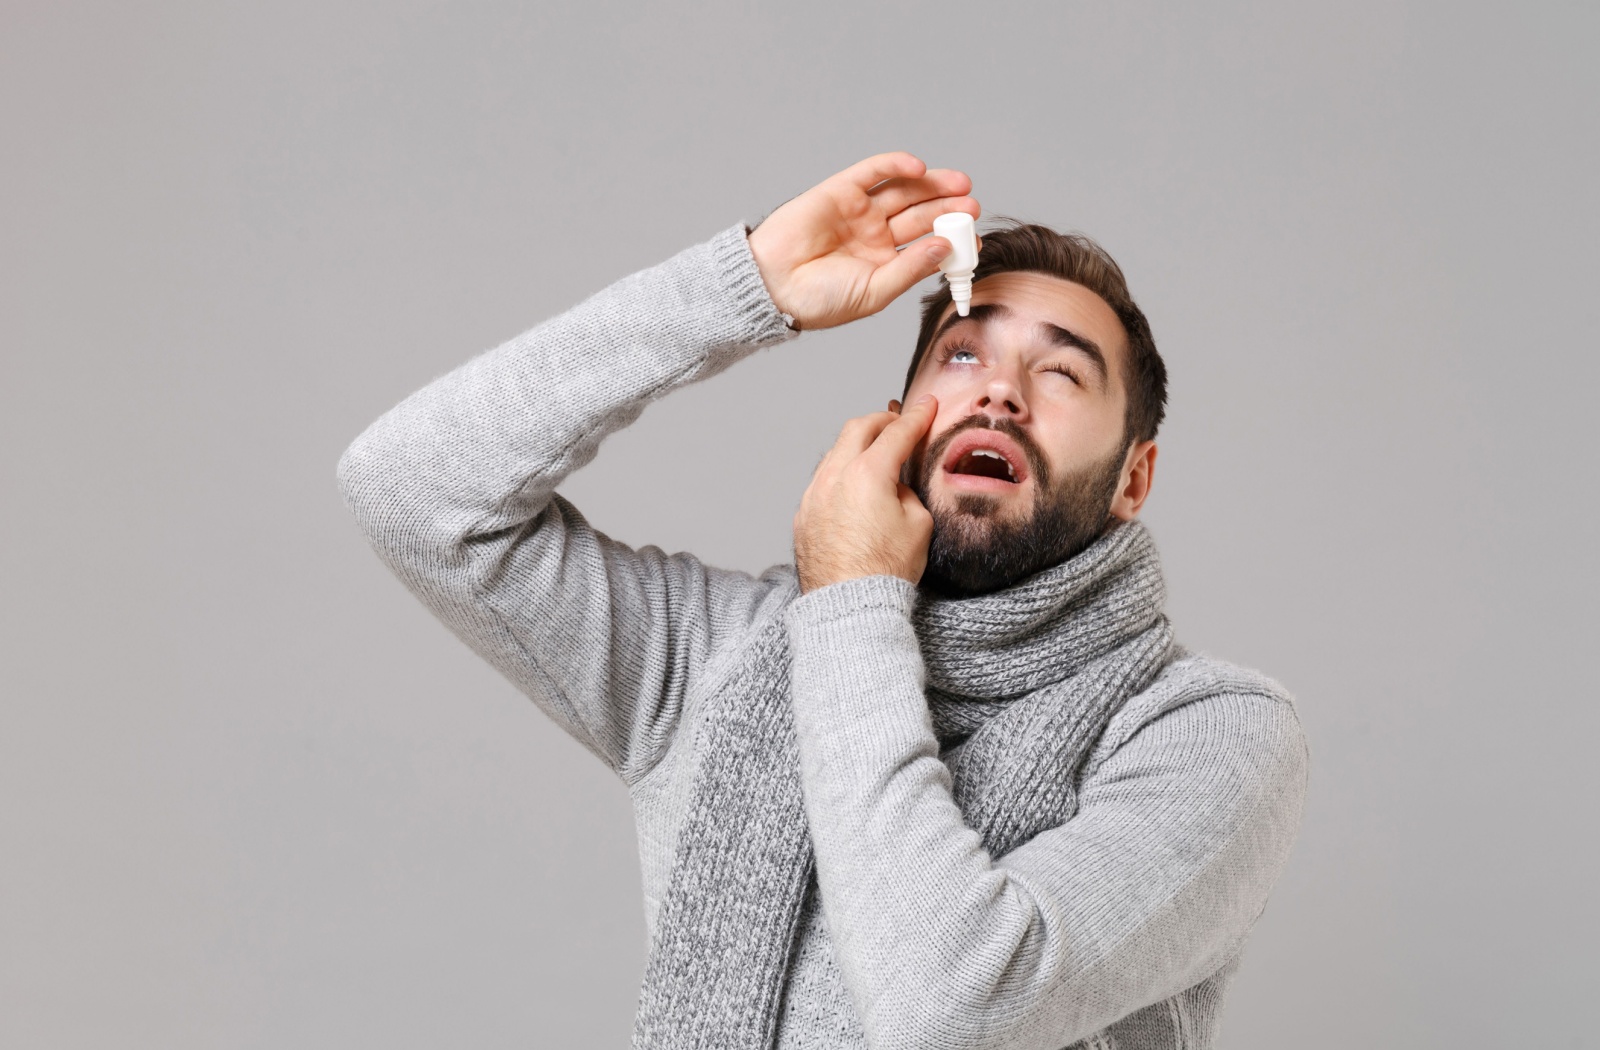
pixel 1020 685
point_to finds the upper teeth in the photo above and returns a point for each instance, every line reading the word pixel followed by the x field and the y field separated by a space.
pixel 996 455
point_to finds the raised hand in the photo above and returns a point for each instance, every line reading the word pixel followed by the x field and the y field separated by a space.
pixel 829 256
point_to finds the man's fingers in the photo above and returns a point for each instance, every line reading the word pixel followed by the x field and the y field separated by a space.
pixel 858 434
pixel 864 175
pixel 909 502
pixel 897 195
pixel 917 220
pixel 909 265
pixel 894 443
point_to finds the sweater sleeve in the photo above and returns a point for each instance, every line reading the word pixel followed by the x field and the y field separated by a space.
pixel 455 489
pixel 1149 888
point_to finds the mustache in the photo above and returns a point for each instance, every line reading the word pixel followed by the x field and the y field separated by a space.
pixel 1037 467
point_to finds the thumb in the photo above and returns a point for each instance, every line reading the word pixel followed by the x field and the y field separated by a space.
pixel 913 509
pixel 911 264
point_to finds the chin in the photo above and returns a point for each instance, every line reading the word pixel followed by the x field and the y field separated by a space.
pixel 978 547
pixel 980 505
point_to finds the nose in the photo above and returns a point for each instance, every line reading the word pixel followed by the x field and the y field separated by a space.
pixel 1002 396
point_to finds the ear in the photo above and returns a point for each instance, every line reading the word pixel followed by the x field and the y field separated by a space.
pixel 1138 474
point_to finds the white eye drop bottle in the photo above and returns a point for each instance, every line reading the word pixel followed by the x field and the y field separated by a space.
pixel 958 228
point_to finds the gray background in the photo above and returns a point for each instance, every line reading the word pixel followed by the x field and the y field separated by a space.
pixel 252 795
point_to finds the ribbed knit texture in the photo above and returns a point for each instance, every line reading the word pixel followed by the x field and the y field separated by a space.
pixel 932 915
pixel 1050 658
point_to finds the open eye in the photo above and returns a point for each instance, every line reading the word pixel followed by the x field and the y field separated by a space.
pixel 957 348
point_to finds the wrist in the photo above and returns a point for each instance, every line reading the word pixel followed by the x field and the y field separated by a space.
pixel 742 282
pixel 810 582
pixel 759 251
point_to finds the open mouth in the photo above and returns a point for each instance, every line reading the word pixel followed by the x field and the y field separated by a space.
pixel 983 459
pixel 983 463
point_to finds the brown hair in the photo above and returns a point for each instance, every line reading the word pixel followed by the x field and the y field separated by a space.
pixel 1018 246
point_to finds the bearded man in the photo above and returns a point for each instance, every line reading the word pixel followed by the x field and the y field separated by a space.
pixel 947 780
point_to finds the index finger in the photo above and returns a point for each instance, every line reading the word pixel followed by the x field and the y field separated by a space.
pixel 855 437
pixel 894 442
pixel 868 173
pixel 896 195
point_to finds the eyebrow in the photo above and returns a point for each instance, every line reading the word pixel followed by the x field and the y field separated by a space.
pixel 981 314
pixel 1054 334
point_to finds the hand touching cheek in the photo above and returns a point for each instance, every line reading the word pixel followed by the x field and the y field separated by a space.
pixel 856 518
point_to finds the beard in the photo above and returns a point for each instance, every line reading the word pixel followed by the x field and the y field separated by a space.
pixel 979 545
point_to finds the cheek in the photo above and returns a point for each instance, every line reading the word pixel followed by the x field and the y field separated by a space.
pixel 942 421
pixel 919 386
pixel 1088 442
pixel 954 393
pixel 919 451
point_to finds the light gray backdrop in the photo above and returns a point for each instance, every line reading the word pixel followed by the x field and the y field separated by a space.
pixel 252 795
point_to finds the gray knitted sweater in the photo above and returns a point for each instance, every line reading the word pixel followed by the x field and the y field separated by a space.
pixel 1121 928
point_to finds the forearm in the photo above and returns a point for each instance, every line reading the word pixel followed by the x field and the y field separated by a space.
pixel 1178 838
pixel 482 448
pixel 893 853
pixel 455 489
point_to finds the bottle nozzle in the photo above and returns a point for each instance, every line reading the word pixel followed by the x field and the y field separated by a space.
pixel 958 228
pixel 960 290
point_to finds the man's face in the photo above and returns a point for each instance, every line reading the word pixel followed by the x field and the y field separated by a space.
pixel 1035 374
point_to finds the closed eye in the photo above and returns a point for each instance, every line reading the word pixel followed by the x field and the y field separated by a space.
pixel 1064 370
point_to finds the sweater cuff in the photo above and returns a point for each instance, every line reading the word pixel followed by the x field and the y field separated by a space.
pixel 737 270
pixel 851 597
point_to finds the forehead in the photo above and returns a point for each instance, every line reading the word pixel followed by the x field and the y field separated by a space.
pixel 1036 297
